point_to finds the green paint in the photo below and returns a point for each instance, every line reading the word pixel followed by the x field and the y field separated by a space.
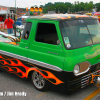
pixel 56 55
pixel 88 56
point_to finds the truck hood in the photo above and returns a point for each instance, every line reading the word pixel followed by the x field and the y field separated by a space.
pixel 76 56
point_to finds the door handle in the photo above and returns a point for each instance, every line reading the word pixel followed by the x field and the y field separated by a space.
pixel 26 47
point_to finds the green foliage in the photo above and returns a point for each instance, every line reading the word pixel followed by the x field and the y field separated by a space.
pixel 89 7
pixel 98 7
pixel 67 7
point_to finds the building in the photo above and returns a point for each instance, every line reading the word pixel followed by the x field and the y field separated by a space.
pixel 18 11
pixel 4 11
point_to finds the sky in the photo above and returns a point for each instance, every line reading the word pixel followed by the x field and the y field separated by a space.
pixel 29 3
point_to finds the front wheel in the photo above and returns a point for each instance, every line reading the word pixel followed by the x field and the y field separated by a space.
pixel 39 82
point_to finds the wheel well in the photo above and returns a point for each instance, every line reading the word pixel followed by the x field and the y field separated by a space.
pixel 30 75
pixel 30 79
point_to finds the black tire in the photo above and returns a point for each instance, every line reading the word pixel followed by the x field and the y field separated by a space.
pixel 39 82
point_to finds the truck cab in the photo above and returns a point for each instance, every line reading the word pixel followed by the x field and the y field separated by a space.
pixel 60 50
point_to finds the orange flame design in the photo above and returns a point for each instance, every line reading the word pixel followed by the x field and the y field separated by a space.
pixel 25 74
pixel 62 17
pixel 82 16
pixel 68 17
pixel 1 57
pixel 50 75
pixel 14 43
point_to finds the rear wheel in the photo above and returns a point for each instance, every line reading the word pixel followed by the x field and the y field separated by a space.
pixel 39 82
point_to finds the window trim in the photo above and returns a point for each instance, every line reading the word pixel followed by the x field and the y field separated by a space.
pixel 24 33
pixel 63 38
pixel 49 22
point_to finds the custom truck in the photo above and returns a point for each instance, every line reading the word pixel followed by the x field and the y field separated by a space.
pixel 61 50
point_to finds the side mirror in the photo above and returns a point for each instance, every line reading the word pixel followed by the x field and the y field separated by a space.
pixel 58 42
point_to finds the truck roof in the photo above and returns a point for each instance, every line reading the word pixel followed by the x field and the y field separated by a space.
pixel 61 17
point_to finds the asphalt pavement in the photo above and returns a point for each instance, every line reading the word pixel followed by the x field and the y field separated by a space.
pixel 14 88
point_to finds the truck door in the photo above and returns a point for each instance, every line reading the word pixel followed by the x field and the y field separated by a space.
pixel 24 43
pixel 44 50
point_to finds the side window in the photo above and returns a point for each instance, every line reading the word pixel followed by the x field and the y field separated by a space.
pixel 46 33
pixel 27 30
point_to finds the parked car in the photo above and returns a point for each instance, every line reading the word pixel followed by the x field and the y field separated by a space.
pixel 98 15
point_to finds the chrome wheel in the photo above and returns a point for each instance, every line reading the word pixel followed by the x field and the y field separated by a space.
pixel 38 81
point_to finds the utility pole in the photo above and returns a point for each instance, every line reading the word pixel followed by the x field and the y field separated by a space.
pixel 15 19
pixel 15 6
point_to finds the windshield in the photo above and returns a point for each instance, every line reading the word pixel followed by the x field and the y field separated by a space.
pixel 80 33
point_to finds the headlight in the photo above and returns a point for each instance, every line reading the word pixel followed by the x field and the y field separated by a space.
pixel 81 68
pixel 76 69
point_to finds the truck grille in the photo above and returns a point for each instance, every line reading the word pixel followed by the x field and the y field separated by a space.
pixel 87 79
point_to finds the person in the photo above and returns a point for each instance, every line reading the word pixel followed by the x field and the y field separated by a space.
pixel 1 18
pixel 9 22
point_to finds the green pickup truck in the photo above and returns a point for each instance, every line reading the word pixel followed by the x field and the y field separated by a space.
pixel 58 50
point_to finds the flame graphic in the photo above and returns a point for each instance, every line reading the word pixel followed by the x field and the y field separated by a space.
pixel 81 16
pixel 12 65
pixel 14 43
pixel 1 57
pixel 68 17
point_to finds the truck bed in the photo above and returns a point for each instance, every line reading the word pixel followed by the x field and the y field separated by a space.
pixel 10 39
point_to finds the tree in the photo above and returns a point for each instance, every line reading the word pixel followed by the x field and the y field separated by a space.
pixel 91 2
pixel 67 6
pixel 98 7
pixel 89 7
